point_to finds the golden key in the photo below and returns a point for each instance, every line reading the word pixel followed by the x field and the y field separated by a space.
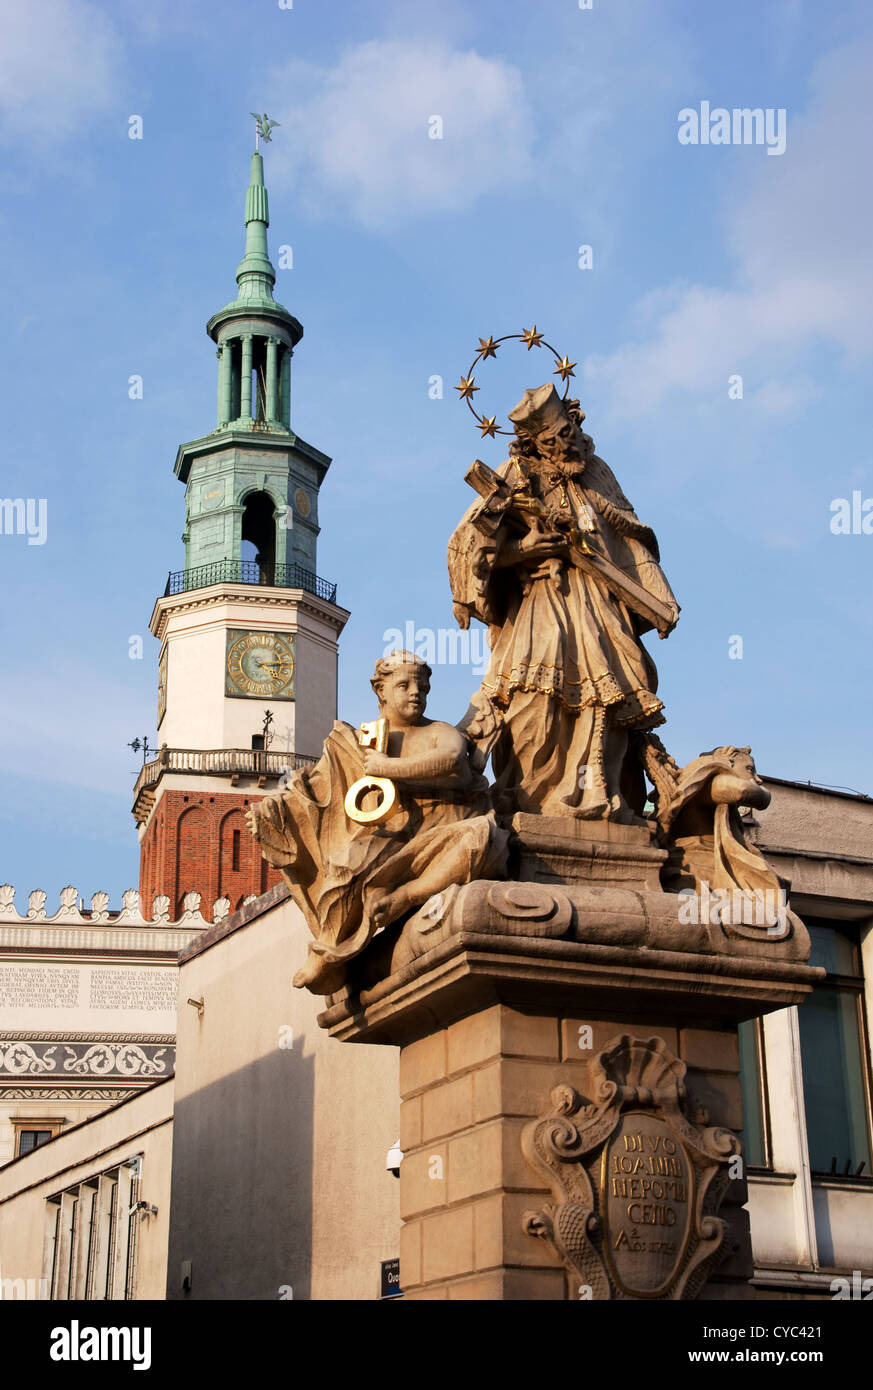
pixel 373 733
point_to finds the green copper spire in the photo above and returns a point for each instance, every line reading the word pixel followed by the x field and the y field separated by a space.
pixel 255 275
pixel 252 479
pixel 255 335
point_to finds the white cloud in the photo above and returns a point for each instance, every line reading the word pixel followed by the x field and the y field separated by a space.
pixel 356 135
pixel 59 65
pixel 804 276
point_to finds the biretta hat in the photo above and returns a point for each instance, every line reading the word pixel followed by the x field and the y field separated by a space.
pixel 540 408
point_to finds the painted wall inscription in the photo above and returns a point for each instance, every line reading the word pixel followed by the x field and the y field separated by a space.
pixel 148 990
pixel 38 987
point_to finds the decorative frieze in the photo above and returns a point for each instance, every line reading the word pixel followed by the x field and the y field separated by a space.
pixel 34 1057
pixel 113 1095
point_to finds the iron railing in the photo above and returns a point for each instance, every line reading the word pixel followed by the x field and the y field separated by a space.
pixel 249 572
pixel 216 762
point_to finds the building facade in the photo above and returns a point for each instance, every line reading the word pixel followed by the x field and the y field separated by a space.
pixel 87 1008
pixel 806 1071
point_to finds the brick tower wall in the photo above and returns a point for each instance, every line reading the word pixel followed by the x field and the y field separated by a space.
pixel 201 843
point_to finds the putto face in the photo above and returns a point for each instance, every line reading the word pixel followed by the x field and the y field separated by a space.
pixel 404 693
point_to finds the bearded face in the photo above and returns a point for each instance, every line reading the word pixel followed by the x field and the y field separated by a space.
pixel 563 445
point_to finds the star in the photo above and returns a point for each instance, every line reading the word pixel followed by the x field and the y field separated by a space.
pixel 488 425
pixel 532 337
pixel 564 368
pixel 466 388
pixel 487 348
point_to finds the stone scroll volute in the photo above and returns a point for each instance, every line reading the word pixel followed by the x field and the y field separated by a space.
pixel 637 1185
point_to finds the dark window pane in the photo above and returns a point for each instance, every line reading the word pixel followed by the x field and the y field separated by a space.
pixel 754 1147
pixel 834 948
pixel 110 1259
pixel 833 1080
pixel 32 1138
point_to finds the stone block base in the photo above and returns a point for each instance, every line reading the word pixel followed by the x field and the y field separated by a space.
pixel 468 1094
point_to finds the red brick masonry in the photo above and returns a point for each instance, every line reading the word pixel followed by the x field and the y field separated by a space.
pixel 201 844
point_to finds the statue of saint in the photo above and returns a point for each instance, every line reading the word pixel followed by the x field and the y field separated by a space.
pixel 353 867
pixel 554 559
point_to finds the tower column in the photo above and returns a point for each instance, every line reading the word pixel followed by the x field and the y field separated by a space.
pixel 225 357
pixel 246 392
pixel 271 409
pixel 285 387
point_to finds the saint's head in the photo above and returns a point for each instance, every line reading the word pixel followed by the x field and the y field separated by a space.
pixel 551 425
pixel 402 683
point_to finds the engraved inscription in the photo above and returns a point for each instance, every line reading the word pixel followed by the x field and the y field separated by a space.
pixel 646 1200
pixel 149 990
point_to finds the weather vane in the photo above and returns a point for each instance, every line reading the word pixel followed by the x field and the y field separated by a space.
pixel 488 348
pixel 137 744
pixel 263 126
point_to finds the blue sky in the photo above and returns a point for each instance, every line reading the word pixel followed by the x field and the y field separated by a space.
pixel 559 130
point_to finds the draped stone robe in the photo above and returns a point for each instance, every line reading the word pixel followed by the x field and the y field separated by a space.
pixel 333 865
pixel 562 645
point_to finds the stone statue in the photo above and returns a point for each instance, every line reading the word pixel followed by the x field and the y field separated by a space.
pixel 554 559
pixel 355 867
pixel 699 818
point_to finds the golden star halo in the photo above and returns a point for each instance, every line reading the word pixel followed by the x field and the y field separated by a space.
pixel 531 337
pixel 466 388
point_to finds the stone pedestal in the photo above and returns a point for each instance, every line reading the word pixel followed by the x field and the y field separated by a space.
pixel 471 1091
pixel 569 1077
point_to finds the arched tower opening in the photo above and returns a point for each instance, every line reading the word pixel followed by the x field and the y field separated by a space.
pixel 259 535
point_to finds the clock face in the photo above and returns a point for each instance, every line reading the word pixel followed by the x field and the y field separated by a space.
pixel 162 686
pixel 259 664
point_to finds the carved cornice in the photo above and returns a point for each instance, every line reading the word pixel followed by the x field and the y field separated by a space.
pixel 248 595
pixel 544 942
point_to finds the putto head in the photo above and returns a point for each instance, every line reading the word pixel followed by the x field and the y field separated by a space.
pixel 402 679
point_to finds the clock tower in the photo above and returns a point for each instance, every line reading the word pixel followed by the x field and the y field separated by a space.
pixel 247 630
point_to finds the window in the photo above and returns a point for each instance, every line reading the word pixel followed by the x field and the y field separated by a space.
pixel 92 1235
pixel 34 1131
pixel 113 1222
pixel 32 1138
pixel 753 1078
pixel 833 1050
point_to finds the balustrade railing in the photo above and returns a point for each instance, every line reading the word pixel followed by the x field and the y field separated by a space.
pixel 227 762
pixel 250 572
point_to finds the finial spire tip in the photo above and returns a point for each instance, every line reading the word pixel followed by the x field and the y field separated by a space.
pixel 263 126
